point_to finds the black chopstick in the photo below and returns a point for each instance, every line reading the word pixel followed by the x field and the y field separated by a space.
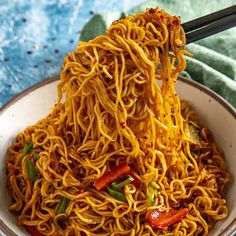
pixel 200 22
pixel 210 24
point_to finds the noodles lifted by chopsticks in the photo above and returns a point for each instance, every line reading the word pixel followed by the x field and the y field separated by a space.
pixel 118 154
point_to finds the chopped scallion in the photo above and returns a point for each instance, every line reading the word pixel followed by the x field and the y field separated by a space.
pixel 27 148
pixel 151 193
pixel 118 186
pixel 36 156
pixel 31 171
pixel 117 194
pixel 194 134
pixel 63 205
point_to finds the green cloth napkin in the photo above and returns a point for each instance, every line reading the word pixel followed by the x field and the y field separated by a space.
pixel 214 59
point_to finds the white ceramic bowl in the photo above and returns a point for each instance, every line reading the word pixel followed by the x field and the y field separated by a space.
pixel 36 102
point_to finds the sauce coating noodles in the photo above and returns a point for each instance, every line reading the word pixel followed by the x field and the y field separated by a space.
pixel 110 110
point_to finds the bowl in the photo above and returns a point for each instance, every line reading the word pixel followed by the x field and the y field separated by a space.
pixel 37 101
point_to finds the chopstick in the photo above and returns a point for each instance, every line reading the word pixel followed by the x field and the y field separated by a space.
pixel 210 24
pixel 199 22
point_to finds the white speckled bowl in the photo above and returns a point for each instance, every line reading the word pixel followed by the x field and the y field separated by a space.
pixel 35 103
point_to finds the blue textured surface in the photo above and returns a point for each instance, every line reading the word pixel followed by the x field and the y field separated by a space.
pixel 36 35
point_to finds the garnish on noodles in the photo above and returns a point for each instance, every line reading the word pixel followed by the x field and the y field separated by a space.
pixel 119 154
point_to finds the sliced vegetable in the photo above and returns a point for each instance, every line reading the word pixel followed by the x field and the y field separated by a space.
pixel 36 156
pixel 162 220
pixel 111 176
pixel 151 193
pixel 117 194
pixel 31 171
pixel 63 205
pixel 136 182
pixel 118 186
pixel 194 134
pixel 32 230
pixel 27 148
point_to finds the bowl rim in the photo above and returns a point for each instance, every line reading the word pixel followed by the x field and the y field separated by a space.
pixel 231 228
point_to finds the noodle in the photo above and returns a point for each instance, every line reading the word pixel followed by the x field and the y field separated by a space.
pixel 110 110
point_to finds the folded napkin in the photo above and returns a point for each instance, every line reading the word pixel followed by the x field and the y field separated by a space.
pixel 214 59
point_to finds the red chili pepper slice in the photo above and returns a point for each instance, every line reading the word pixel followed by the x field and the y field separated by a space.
pixel 111 176
pixel 33 231
pixel 162 220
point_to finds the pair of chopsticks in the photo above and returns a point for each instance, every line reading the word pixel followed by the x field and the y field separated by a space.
pixel 210 24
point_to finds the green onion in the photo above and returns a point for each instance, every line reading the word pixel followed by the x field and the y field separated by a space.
pixel 151 193
pixel 36 156
pixel 194 134
pixel 115 191
pixel 27 148
pixel 31 171
pixel 118 186
pixel 62 205
pixel 117 194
